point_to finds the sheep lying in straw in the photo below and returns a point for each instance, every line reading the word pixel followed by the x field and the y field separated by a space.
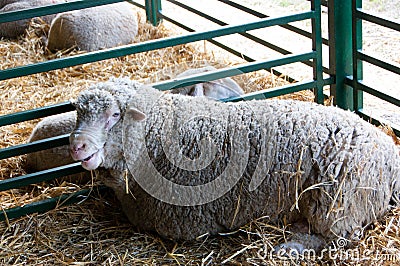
pixel 64 123
pixel 216 89
pixel 12 30
pixel 94 28
pixel 187 166
pixel 49 127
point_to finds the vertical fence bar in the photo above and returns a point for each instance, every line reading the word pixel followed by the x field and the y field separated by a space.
pixel 357 63
pixel 340 51
pixel 153 7
pixel 317 47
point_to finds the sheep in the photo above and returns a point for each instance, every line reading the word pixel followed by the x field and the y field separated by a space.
pixel 3 3
pixel 94 28
pixel 51 126
pixel 217 89
pixel 13 29
pixel 293 162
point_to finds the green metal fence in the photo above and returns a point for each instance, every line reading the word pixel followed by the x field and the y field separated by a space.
pixel 359 56
pixel 339 73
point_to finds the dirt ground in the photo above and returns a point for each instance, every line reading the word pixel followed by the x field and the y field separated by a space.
pixel 383 42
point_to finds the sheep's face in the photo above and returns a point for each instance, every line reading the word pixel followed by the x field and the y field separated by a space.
pixel 97 113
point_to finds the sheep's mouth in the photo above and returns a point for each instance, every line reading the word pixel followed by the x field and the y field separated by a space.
pixel 93 161
pixel 88 158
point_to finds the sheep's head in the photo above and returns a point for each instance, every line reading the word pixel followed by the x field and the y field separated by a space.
pixel 97 113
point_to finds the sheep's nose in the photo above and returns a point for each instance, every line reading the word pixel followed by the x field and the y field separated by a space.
pixel 77 143
pixel 78 147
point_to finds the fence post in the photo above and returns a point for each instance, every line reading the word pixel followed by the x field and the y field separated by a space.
pixel 340 51
pixel 153 7
pixel 317 47
pixel 357 63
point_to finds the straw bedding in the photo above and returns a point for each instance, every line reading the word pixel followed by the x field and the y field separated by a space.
pixel 95 231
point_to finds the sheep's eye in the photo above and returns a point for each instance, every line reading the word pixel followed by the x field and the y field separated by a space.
pixel 115 115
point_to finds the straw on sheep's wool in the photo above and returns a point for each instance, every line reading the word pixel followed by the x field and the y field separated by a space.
pixel 95 232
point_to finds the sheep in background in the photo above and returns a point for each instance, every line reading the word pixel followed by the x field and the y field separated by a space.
pixel 13 29
pixel 3 3
pixel 94 28
pixel 49 127
pixel 216 89
pixel 305 162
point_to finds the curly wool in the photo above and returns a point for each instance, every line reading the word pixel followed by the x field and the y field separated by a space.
pixel 321 165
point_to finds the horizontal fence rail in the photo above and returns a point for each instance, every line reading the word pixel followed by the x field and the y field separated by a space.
pixel 34 146
pixel 263 21
pixel 382 63
pixel 368 16
pixel 278 91
pixel 41 176
pixel 52 9
pixel 221 45
pixel 49 204
pixel 91 57
pixel 261 15
pixel 247 35
pixel 22 116
pixel 232 71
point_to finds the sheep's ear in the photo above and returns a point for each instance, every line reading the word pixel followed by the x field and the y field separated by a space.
pixel 135 114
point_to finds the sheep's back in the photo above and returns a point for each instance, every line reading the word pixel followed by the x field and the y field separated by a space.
pixel 52 126
pixel 14 29
pixel 49 127
pixel 298 154
pixel 94 28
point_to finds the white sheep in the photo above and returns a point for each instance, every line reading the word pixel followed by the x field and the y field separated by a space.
pixel 13 29
pixel 3 3
pixel 94 28
pixel 287 160
pixel 216 89
pixel 49 127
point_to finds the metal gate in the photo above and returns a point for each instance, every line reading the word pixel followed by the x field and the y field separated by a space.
pixel 341 75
